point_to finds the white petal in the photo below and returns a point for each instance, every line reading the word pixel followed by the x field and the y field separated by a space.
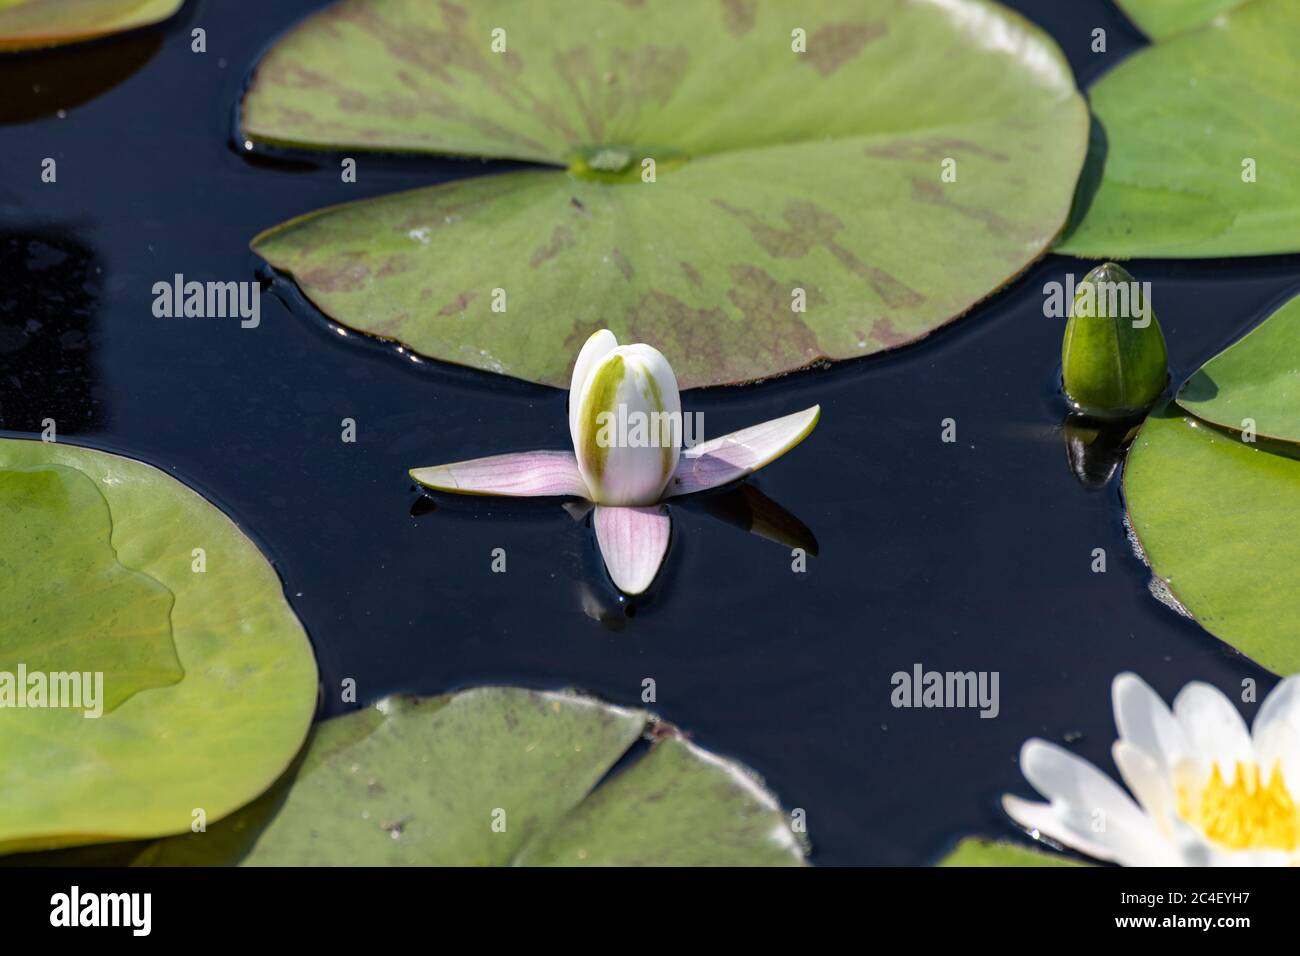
pixel 1060 775
pixel 1144 721
pixel 633 542
pixel 1058 823
pixel 598 345
pixel 726 458
pixel 1148 781
pixel 1213 727
pixel 1277 732
pixel 1089 810
pixel 1281 706
pixel 1276 743
pixel 1193 848
pixel 1253 858
pixel 1045 819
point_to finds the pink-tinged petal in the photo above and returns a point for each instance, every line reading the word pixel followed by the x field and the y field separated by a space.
pixel 528 474
pixel 722 460
pixel 633 542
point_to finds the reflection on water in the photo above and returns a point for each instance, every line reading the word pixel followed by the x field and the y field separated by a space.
pixel 742 506
pixel 42 82
pixel 747 508
pixel 423 505
pixel 610 611
pixel 1095 449
pixel 50 286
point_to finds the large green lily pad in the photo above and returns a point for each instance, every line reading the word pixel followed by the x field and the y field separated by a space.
pixel 776 171
pixel 30 24
pixel 499 776
pixel 974 851
pixel 208 673
pixel 1219 521
pixel 1184 121
pixel 1257 380
pixel 1162 18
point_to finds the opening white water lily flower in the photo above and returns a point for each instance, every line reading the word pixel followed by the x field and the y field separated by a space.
pixel 627 480
pixel 628 383
pixel 1209 792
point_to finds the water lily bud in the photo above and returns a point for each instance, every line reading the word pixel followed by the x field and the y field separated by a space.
pixel 625 419
pixel 1113 359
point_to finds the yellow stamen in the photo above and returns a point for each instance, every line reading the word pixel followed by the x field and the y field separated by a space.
pixel 1244 815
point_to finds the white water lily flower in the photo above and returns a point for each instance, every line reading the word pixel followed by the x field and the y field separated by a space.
pixel 626 480
pixel 613 382
pixel 1209 792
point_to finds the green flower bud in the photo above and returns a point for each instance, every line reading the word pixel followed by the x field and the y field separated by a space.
pixel 1113 359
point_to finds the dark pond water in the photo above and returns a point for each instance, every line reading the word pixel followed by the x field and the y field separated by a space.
pixel 974 555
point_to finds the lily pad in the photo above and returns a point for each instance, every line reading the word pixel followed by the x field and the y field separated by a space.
pixel 498 776
pixel 211 676
pixel 31 24
pixel 783 181
pixel 1161 18
pixel 68 604
pixel 1219 522
pixel 1203 130
pixel 1256 380
pixel 973 851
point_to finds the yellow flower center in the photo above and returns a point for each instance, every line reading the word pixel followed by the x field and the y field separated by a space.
pixel 1245 814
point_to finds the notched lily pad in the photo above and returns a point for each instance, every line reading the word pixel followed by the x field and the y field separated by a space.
pixel 1203 130
pixel 211 675
pixel 32 24
pixel 829 203
pixel 499 776
pixel 68 604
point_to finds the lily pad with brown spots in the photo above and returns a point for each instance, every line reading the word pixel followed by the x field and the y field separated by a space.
pixel 831 179
pixel 500 776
